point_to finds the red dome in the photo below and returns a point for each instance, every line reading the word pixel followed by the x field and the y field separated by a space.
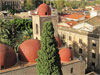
pixel 7 56
pixel 28 50
pixel 58 41
pixel 44 9
pixel 65 55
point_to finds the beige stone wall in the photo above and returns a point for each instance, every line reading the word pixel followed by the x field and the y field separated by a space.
pixel 26 70
pixel 95 50
pixel 75 67
pixel 23 15
pixel 53 19
pixel 90 53
pixel 38 20
pixel 1 15
pixel 76 41
pixel 99 55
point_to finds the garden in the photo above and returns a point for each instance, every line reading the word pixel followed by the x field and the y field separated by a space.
pixel 14 32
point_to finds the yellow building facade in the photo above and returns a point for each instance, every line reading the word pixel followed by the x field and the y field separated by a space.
pixel 84 44
pixel 16 4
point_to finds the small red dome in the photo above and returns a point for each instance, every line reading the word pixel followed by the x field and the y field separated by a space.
pixel 65 55
pixel 28 50
pixel 7 56
pixel 44 9
pixel 58 41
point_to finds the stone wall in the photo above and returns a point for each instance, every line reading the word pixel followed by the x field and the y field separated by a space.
pixel 13 3
pixel 76 42
pixel 27 70
pixel 75 67
pixel 38 21
pixel 1 15
pixel 23 15
pixel 83 44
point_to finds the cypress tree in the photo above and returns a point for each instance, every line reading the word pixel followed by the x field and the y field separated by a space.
pixel 48 62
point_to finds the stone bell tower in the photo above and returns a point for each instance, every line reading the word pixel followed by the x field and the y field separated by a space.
pixel 43 15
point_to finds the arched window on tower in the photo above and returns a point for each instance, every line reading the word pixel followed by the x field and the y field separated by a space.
pixel 36 38
pixel 2 67
pixel 46 13
pixel 36 28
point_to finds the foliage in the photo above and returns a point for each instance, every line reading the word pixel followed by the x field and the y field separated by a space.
pixel 14 32
pixel 76 4
pixel 37 3
pixel 59 4
pixel 22 36
pixel 5 31
pixel 97 2
pixel 6 7
pixel 29 5
pixel 48 62
pixel 12 11
pixel 32 4
pixel 46 1
pixel 22 30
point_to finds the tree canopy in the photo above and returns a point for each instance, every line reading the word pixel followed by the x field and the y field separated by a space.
pixel 48 62
pixel 15 31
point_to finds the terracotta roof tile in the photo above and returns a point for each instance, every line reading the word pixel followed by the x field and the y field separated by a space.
pixel 75 16
pixel 68 24
pixel 71 23
pixel 96 8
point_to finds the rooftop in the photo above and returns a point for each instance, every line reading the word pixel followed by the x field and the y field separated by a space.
pixel 71 23
pixel 75 16
pixel 22 65
pixel 95 21
pixel 96 8
pixel 19 65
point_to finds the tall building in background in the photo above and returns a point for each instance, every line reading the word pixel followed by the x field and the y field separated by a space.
pixel 0 5
pixel 84 40
pixel 8 4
